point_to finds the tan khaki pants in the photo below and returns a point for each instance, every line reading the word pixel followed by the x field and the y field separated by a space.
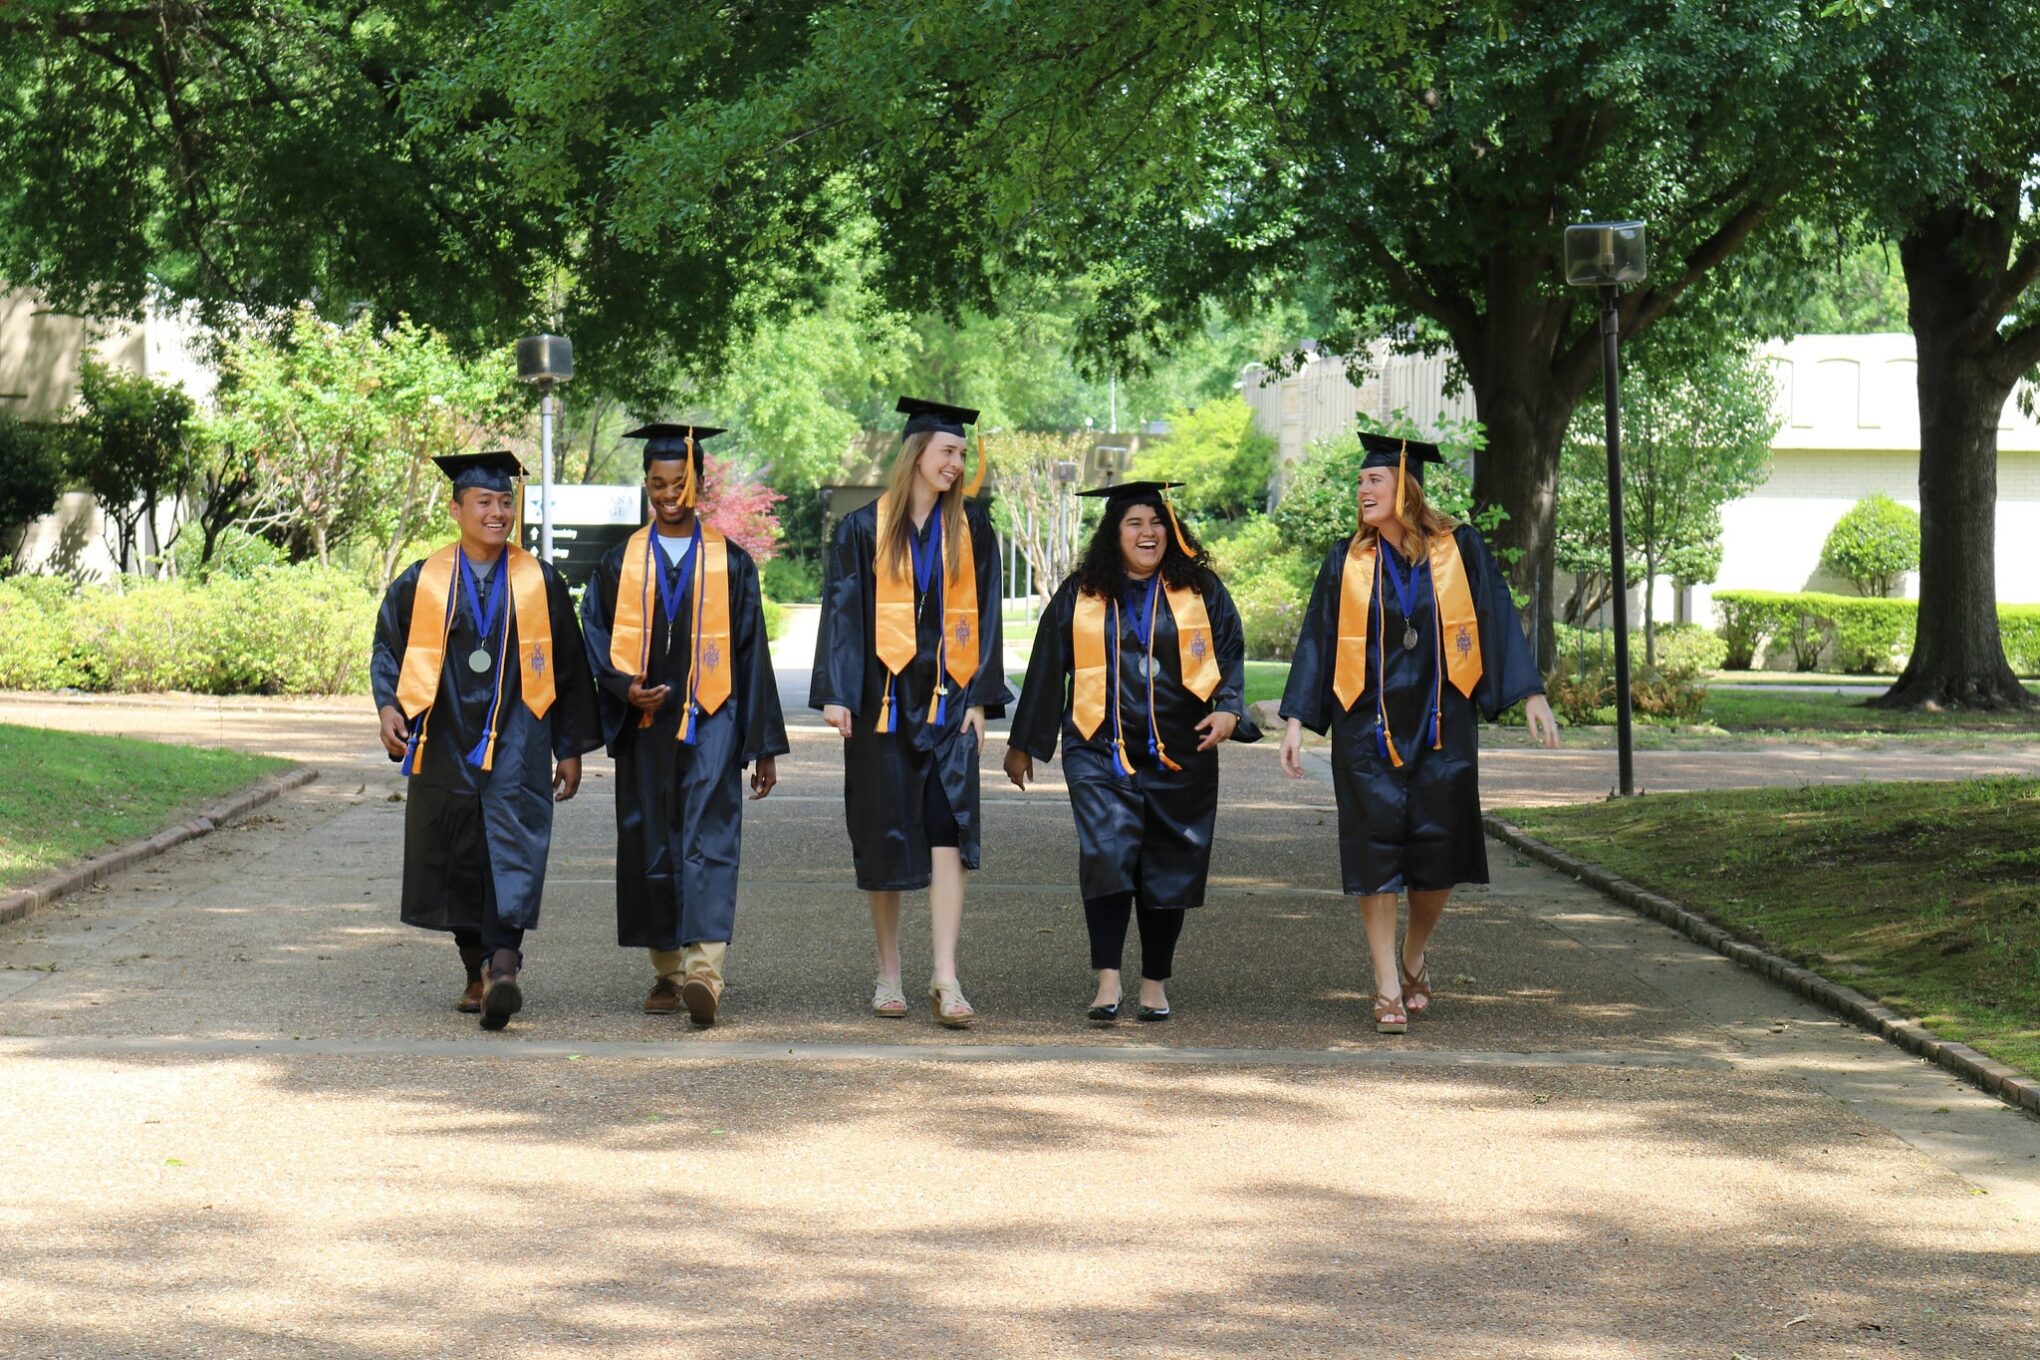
pixel 704 960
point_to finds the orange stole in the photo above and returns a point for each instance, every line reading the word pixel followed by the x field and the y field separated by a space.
pixel 1089 647
pixel 893 615
pixel 630 636
pixel 437 596
pixel 1452 601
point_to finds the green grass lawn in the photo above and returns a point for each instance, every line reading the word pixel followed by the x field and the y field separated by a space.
pixel 69 796
pixel 1739 709
pixel 1924 896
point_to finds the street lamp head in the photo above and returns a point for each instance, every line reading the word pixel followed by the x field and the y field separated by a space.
pixel 545 359
pixel 1601 254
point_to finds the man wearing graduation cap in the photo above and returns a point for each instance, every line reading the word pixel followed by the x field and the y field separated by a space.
pixel 675 626
pixel 484 695
pixel 1411 634
pixel 908 666
pixel 1139 669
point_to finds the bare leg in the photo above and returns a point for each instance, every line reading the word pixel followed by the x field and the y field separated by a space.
pixel 885 928
pixel 945 910
pixel 1377 913
pixel 1108 987
pixel 1425 909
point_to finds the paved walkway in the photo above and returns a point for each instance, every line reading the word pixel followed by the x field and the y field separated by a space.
pixel 238 1117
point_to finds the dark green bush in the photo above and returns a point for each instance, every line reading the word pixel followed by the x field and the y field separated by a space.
pixel 791 580
pixel 1873 545
pixel 1860 635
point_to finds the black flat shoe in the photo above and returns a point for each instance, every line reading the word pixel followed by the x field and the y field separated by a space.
pixel 1154 1016
pixel 1103 1015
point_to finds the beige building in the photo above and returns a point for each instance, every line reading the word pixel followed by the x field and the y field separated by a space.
pixel 1848 426
pixel 42 355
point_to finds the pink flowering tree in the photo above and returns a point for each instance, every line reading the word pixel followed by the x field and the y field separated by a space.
pixel 741 507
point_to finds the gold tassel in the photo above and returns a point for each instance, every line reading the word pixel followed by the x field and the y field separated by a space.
pixel 690 492
pixel 1176 524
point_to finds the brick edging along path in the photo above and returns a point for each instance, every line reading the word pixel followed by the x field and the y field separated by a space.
pixel 2007 1083
pixel 24 902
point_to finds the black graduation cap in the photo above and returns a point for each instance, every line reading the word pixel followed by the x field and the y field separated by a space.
pixel 664 439
pixel 1386 450
pixel 1132 490
pixel 934 416
pixel 491 471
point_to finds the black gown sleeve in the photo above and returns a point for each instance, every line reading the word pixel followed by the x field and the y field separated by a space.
pixel 988 688
pixel 576 726
pixel 1308 695
pixel 757 685
pixel 1230 640
pixel 1508 672
pixel 598 623
pixel 1038 717
pixel 392 631
pixel 840 644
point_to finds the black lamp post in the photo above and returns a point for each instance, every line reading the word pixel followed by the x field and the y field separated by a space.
pixel 1604 256
pixel 547 360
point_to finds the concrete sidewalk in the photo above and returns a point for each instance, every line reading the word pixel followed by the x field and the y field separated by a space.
pixel 235 1100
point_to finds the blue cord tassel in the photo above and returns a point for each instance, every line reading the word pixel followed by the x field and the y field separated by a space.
pixel 409 767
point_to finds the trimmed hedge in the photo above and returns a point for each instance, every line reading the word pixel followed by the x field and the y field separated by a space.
pixel 1862 635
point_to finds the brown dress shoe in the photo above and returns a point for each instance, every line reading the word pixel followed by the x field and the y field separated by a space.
pixel 470 1002
pixel 501 996
pixel 701 997
pixel 663 999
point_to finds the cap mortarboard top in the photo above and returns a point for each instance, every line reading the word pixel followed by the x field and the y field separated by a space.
pixel 1131 490
pixel 664 439
pixel 1386 450
pixel 492 470
pixel 934 416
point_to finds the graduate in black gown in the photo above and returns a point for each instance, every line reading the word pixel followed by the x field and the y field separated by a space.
pixel 908 666
pixel 483 690
pixel 676 640
pixel 1139 667
pixel 1411 634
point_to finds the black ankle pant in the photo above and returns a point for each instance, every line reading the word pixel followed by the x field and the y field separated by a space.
pixel 1159 930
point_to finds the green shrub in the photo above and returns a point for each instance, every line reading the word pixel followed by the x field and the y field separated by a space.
pixel 1271 613
pixel 236 553
pixel 1874 544
pixel 1685 650
pixel 35 648
pixel 775 618
pixel 1582 693
pixel 1872 636
pixel 1749 619
pixel 791 580
pixel 289 630
pixel 2019 625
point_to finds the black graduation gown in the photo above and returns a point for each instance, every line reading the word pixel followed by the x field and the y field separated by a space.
pixel 1149 834
pixel 1417 827
pixel 680 806
pixel 886 774
pixel 471 837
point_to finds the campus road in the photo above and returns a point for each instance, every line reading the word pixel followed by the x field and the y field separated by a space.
pixel 238 1116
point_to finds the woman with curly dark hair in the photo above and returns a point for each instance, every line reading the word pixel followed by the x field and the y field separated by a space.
pixel 1139 666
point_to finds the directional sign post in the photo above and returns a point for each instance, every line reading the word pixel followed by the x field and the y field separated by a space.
pixel 587 521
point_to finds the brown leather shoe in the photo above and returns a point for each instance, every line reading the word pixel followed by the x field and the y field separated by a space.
pixel 663 999
pixel 501 995
pixel 700 995
pixel 470 1002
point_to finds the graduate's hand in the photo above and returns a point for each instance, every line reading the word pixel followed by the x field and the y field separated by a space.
pixel 764 775
pixel 647 699
pixel 838 717
pixel 1537 712
pixel 974 723
pixel 1217 727
pixel 566 779
pixel 396 732
pixel 1292 749
pixel 1019 767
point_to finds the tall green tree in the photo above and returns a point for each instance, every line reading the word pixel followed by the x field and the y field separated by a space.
pixel 31 480
pixel 129 445
pixel 1948 157
pixel 1223 462
pixel 1696 434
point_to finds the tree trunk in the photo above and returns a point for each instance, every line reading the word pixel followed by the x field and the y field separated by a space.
pixel 1958 661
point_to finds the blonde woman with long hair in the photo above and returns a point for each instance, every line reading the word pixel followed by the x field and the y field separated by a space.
pixel 1410 634
pixel 907 670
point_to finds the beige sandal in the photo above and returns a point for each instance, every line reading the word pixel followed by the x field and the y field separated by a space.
pixel 888 1001
pixel 1389 1015
pixel 951 1010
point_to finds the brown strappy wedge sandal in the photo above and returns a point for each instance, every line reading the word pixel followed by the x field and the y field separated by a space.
pixel 1389 1015
pixel 1416 988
